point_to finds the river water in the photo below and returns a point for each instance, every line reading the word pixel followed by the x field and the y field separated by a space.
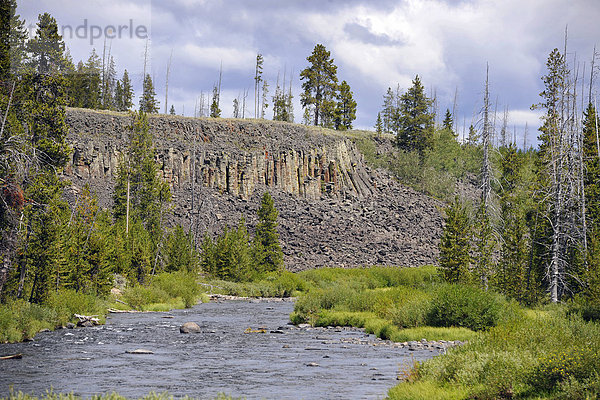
pixel 286 362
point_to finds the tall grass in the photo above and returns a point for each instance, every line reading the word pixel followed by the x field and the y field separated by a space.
pixel 538 355
pixel 20 320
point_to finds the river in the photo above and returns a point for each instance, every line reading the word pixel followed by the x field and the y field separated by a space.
pixel 286 362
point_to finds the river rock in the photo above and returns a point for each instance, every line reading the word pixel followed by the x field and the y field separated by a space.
pixel 190 327
pixel 139 351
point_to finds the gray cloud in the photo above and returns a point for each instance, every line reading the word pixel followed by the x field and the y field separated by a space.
pixel 375 44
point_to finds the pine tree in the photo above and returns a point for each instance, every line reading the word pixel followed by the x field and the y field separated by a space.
pixel 148 102
pixel 91 90
pixel 14 39
pixel 148 194
pixel 378 125
pixel 448 122
pixel 119 106
pixel 264 104
pixel 267 251
pixel 180 255
pixel 6 11
pixel 320 85
pixel 127 92
pixel 108 89
pixel 473 138
pixel 591 158
pixel 415 122
pixel 511 274
pixel 389 110
pixel 215 111
pixel 346 108
pixel 172 110
pixel 454 244
pixel 47 48
pixel 236 108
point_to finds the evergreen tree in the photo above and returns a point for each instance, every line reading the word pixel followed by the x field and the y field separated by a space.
pixel 280 105
pixel 215 111
pixel 415 121
pixel 6 11
pixel 236 108
pixel 127 92
pixel 86 83
pixel 119 105
pixel 454 244
pixel 83 249
pixel 180 255
pixel 591 159
pixel 473 138
pixel 172 110
pixel 448 122
pixel 378 125
pixel 267 251
pixel 108 88
pixel 148 194
pixel 14 41
pixel 511 274
pixel 264 104
pixel 47 48
pixel 346 108
pixel 320 85
pixel 389 110
pixel 148 102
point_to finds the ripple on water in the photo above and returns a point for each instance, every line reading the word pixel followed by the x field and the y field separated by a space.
pixel 291 364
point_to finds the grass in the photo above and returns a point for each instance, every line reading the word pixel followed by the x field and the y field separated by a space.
pixel 399 304
pixel 511 352
pixel 425 390
pixel 20 320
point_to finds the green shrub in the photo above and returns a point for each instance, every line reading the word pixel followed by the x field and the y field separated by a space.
pixel 179 285
pixel 569 365
pixel 466 306
pixel 139 296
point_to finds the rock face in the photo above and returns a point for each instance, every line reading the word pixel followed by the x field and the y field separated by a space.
pixel 333 209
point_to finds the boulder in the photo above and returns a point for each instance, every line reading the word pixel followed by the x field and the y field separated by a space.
pixel 139 351
pixel 190 327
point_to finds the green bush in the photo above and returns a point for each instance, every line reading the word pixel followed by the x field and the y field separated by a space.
pixel 569 365
pixel 179 285
pixel 139 296
pixel 465 306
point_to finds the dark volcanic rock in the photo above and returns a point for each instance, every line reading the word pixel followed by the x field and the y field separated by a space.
pixel 333 209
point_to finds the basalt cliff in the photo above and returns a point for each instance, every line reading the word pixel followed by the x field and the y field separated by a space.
pixel 333 209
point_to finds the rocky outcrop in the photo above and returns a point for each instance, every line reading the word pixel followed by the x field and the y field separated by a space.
pixel 333 209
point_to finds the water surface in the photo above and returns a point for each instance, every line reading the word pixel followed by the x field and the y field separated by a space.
pixel 284 363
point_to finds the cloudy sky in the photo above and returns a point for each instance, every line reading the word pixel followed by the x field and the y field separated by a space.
pixel 375 44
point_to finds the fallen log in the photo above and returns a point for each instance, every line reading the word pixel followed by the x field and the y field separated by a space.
pixel 12 357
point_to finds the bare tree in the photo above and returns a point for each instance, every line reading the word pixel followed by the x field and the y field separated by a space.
pixel 167 81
